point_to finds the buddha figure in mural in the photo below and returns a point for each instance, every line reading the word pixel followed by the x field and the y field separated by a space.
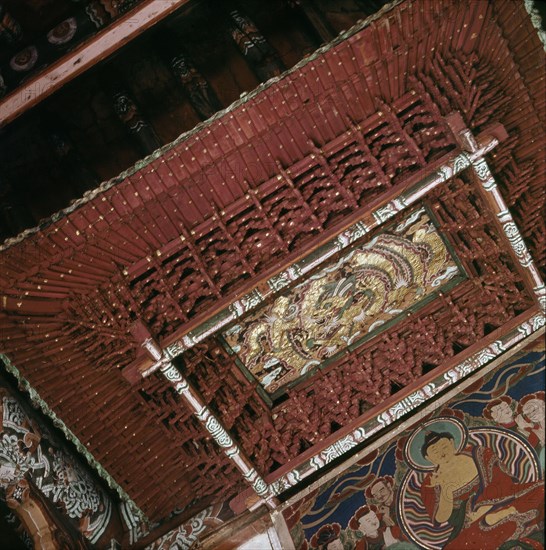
pixel 468 492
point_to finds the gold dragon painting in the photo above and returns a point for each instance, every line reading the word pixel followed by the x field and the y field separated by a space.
pixel 343 302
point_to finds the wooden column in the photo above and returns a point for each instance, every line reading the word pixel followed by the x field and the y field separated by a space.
pixel 260 55
pixel 42 521
pixel 137 126
pixel 199 92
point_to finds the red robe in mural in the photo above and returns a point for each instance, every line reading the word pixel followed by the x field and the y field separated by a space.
pixel 495 487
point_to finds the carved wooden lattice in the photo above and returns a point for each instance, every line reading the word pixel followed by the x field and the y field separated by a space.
pixel 278 217
pixel 368 375
pixel 70 336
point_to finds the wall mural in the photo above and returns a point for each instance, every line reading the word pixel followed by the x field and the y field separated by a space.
pixel 27 452
pixel 343 302
pixel 469 475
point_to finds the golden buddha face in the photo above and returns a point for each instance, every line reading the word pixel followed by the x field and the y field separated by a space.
pixel 441 452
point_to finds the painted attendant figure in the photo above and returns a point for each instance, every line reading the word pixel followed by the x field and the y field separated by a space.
pixel 375 536
pixel 381 494
pixel 532 408
pixel 502 411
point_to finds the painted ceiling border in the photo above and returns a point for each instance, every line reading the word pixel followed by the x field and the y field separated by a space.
pixel 41 405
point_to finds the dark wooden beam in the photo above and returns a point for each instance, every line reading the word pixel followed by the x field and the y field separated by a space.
pixel 89 53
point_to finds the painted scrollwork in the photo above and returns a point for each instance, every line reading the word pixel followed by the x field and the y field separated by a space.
pixel 27 454
pixel 218 432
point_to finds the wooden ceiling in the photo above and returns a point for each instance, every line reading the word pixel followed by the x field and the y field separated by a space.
pixel 172 241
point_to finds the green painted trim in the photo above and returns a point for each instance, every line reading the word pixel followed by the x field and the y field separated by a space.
pixel 536 19
pixel 41 405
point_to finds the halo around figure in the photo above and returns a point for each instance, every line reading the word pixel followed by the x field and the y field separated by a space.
pixel 413 450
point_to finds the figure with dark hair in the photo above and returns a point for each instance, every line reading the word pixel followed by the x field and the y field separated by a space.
pixel 381 493
pixel 474 492
pixel 531 408
pixel 328 537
